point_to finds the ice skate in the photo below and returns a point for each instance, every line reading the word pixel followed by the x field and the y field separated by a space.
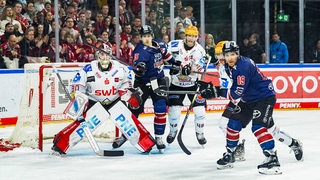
pixel 171 136
pixel 160 145
pixel 55 151
pixel 270 165
pixel 201 139
pixel 296 147
pixel 119 142
pixel 226 162
pixel 240 152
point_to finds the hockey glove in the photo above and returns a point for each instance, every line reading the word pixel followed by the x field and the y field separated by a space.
pixel 186 70
pixel 175 68
pixel 140 69
pixel 133 97
pixel 207 90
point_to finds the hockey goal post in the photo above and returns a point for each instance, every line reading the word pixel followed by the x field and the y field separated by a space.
pixel 42 104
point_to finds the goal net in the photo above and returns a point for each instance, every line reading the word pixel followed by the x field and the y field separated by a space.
pixel 42 104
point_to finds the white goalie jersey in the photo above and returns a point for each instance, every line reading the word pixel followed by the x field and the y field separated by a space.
pixel 195 58
pixel 102 86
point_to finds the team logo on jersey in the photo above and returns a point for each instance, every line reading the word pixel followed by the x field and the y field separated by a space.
pixel 116 79
pixel 200 99
pixel 136 57
pixel 256 114
pixel 106 81
pixel 98 75
pixel 76 78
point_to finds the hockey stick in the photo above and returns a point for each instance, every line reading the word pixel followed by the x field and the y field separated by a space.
pixel 181 144
pixel 83 124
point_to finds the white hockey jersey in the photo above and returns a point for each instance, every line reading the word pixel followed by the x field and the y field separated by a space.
pixel 195 57
pixel 102 86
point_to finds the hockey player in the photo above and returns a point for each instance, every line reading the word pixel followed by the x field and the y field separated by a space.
pixel 192 57
pixel 149 57
pixel 104 81
pixel 253 97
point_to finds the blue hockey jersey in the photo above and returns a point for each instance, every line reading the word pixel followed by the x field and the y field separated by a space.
pixel 155 57
pixel 249 83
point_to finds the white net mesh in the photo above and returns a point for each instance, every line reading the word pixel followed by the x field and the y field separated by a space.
pixel 42 104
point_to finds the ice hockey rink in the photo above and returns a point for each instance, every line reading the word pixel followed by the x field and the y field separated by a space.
pixel 83 163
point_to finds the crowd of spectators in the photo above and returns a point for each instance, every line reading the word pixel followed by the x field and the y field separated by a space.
pixel 27 28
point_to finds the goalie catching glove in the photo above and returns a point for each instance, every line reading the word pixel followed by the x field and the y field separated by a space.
pixel 207 90
pixel 132 96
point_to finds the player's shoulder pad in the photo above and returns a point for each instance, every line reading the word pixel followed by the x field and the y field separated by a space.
pixel 174 43
pixel 87 68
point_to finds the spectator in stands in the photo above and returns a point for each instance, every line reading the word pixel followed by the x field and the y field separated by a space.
pixel 134 7
pixel 47 8
pixel 315 55
pixel 163 31
pixel 134 40
pixel 165 38
pixel 123 17
pixel 127 13
pixel 10 51
pixel 178 29
pixel 39 5
pixel 88 14
pixel 9 16
pixel 256 52
pixel 209 43
pixel 9 30
pixel 70 50
pixel 88 54
pixel 30 12
pixel 99 25
pixel 189 14
pixel 19 17
pixel 105 10
pixel 177 7
pixel 103 40
pixel 81 23
pixel 183 18
pixel 278 50
pixel 181 34
pixel 2 6
pixel 244 47
pixel 125 50
pixel 69 27
pixel 50 51
pixel 31 48
pixel 136 27
pixel 48 19
pixel 154 23
pixel 167 21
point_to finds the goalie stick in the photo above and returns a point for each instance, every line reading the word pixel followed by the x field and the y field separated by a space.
pixel 179 138
pixel 92 141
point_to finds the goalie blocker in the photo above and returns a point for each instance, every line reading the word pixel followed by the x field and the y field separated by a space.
pixel 95 116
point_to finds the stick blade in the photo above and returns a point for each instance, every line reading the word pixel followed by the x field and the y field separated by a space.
pixel 181 144
pixel 111 153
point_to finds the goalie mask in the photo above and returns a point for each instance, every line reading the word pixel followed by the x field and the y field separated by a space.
pixel 192 34
pixel 104 58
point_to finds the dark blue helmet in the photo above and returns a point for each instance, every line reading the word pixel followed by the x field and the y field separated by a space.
pixel 146 30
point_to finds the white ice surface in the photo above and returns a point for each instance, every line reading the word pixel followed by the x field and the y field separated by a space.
pixel 82 163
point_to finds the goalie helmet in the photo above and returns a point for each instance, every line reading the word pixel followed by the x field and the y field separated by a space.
pixel 230 46
pixel 104 57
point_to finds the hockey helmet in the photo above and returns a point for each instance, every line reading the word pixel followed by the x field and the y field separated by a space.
pixel 104 57
pixel 230 46
pixel 218 48
pixel 146 30
pixel 192 31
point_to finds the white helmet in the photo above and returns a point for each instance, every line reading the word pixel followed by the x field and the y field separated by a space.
pixel 104 57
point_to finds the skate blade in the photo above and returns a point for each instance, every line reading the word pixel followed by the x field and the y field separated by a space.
pixel 227 166
pixel 271 171
pixel 161 151
pixel 56 154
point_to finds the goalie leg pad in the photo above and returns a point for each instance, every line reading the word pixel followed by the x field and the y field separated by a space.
pixel 67 138
pixel 131 127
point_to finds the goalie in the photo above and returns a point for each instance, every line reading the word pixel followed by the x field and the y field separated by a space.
pixel 98 91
